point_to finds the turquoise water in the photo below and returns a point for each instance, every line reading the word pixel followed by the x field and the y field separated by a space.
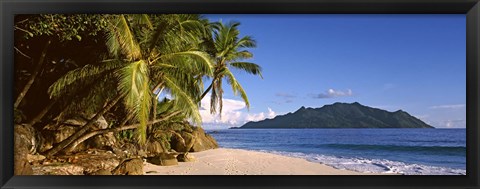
pixel 404 151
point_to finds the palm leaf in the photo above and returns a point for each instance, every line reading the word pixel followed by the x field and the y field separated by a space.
pixel 236 87
pixel 248 67
pixel 121 40
pixel 183 100
pixel 134 82
pixel 79 75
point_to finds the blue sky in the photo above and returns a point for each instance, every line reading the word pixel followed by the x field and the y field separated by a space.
pixel 416 63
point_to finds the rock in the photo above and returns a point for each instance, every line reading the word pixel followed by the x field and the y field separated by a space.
pixel 21 165
pixel 163 159
pixel 94 160
pixel 178 142
pixel 33 158
pixel 186 157
pixel 58 169
pixel 130 150
pixel 76 121
pixel 129 167
pixel 119 152
pixel 102 172
pixel 23 135
pixel 202 141
pixel 104 141
pixel 142 153
pixel 62 132
pixel 154 147
pixel 101 123
pixel 29 136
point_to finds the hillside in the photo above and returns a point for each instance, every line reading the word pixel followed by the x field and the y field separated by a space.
pixel 340 115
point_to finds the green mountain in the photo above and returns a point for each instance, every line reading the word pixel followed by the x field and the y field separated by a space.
pixel 340 115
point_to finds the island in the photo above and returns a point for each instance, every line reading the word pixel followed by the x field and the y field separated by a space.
pixel 340 115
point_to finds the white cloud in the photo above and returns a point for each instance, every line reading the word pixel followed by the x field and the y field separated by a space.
pixel 332 93
pixel 271 113
pixel 233 114
pixel 451 106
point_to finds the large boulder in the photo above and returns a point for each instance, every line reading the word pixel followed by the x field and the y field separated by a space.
pixel 56 133
pixel 163 159
pixel 203 141
pixel 129 167
pixel 28 136
pixel 104 141
pixel 179 141
pixel 185 157
pixel 24 145
pixel 154 147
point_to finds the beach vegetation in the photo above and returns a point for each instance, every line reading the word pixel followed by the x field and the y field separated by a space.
pixel 141 73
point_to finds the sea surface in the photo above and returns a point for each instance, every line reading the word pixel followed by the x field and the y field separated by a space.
pixel 403 151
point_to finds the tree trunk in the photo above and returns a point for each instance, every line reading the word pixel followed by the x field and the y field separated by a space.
pixel 155 103
pixel 117 129
pixel 206 91
pixel 42 113
pixel 84 129
pixel 34 75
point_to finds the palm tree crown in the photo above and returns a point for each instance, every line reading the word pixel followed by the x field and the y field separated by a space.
pixel 229 51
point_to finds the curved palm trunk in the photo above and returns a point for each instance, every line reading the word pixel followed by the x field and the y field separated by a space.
pixel 155 103
pixel 206 92
pixel 74 144
pixel 84 129
pixel 33 77
pixel 121 127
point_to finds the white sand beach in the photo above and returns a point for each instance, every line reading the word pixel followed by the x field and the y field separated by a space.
pixel 223 161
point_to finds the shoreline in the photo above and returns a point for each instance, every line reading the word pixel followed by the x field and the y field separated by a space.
pixel 228 161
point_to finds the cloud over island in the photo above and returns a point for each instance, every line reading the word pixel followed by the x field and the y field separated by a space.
pixel 234 113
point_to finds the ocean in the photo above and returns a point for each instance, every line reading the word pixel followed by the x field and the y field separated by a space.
pixel 403 151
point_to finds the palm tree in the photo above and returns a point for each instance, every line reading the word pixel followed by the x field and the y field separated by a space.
pixel 151 53
pixel 228 50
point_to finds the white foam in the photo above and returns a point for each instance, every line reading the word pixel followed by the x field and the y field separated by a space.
pixel 373 165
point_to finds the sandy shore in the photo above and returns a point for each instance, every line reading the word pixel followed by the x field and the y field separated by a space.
pixel 224 161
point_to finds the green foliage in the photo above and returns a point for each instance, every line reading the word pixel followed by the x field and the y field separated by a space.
pixel 172 52
pixel 228 50
pixel 64 27
pixel 159 50
pixel 125 135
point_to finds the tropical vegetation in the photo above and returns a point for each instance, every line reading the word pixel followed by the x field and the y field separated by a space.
pixel 140 72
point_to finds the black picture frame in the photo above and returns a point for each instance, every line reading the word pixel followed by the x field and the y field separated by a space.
pixel 8 8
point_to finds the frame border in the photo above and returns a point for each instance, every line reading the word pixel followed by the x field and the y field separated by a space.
pixel 471 8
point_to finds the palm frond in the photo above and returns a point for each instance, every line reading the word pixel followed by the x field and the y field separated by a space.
pixel 144 112
pixel 121 40
pixel 134 82
pixel 201 60
pixel 236 87
pixel 79 75
pixel 183 101
pixel 248 67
